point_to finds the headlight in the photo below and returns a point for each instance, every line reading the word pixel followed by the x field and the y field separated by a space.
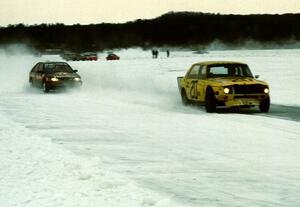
pixel 54 79
pixel 226 90
pixel 266 90
pixel 77 79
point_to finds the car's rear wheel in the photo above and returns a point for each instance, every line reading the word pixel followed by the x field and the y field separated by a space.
pixel 210 101
pixel 264 106
pixel 184 98
pixel 45 87
pixel 31 82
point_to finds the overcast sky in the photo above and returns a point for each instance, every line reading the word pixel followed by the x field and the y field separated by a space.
pixel 98 11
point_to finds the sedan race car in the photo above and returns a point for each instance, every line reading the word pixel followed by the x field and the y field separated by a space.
pixel 69 55
pixel 52 75
pixel 74 56
pixel 89 56
pixel 112 56
pixel 227 84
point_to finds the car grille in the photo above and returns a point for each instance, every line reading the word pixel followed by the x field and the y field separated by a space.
pixel 246 96
pixel 65 78
pixel 248 89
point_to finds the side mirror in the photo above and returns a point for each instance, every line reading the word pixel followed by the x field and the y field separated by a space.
pixel 256 76
pixel 75 71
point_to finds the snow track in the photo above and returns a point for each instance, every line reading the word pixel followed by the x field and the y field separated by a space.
pixel 130 142
pixel 36 172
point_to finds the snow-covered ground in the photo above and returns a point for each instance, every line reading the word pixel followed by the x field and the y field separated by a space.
pixel 124 139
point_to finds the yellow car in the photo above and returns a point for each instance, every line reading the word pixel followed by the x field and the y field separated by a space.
pixel 223 83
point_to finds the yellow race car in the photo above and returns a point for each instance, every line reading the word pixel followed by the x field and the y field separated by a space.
pixel 223 83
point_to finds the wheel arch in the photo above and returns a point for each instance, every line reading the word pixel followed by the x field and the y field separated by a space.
pixel 208 87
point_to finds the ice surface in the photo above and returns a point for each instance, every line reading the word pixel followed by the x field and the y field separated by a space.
pixel 125 139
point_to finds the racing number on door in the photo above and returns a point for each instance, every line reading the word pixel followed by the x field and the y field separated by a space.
pixel 193 91
pixel 193 77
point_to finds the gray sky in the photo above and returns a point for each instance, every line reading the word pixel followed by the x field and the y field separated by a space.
pixel 97 11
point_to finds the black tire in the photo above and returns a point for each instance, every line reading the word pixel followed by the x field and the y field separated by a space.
pixel 184 98
pixel 45 87
pixel 210 101
pixel 264 106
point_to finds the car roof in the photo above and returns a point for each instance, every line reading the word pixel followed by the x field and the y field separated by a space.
pixel 218 63
pixel 54 62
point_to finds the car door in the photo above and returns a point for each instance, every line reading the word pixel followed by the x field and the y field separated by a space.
pixel 192 82
pixel 201 83
pixel 39 75
pixel 32 74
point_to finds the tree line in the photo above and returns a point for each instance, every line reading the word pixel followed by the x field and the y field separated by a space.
pixel 171 29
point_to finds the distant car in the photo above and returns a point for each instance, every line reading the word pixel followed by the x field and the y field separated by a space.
pixel 53 75
pixel 89 56
pixel 112 56
pixel 229 84
pixel 69 55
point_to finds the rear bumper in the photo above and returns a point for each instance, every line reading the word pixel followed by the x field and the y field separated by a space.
pixel 179 83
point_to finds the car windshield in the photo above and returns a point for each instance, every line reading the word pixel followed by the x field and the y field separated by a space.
pixel 58 67
pixel 228 70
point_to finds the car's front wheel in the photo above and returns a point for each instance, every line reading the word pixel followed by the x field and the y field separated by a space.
pixel 264 106
pixel 210 101
pixel 45 87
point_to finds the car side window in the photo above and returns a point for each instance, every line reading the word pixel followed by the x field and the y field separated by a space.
pixel 194 72
pixel 40 68
pixel 202 74
pixel 34 69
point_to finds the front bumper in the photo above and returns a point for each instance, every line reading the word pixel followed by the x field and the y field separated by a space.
pixel 242 102
pixel 237 100
pixel 64 84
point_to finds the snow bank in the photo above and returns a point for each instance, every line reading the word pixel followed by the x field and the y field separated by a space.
pixel 36 172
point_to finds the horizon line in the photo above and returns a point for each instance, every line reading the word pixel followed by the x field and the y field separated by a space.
pixel 129 21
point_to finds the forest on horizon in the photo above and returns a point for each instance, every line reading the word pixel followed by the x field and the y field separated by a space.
pixel 173 29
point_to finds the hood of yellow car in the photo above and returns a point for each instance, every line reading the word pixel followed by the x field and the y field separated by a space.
pixel 237 80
